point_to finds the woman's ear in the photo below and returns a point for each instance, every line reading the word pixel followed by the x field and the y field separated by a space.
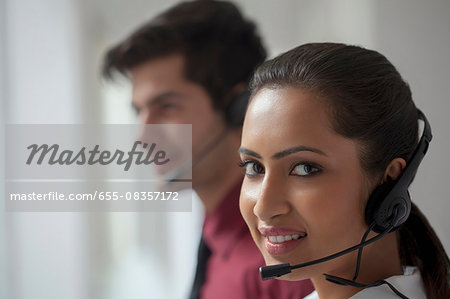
pixel 394 169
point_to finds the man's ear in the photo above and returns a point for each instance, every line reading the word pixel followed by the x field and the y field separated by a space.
pixel 394 169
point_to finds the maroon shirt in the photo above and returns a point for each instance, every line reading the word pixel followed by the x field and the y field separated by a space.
pixel 232 270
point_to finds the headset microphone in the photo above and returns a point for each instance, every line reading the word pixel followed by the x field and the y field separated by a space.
pixel 273 271
pixel 234 115
pixel 175 176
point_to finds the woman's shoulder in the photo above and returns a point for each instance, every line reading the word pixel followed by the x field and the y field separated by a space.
pixel 409 284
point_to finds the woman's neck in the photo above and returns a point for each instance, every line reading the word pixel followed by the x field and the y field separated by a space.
pixel 380 260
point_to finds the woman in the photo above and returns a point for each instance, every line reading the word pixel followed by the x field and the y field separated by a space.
pixel 327 124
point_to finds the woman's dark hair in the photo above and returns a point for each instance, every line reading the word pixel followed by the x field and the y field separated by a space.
pixel 370 102
pixel 221 49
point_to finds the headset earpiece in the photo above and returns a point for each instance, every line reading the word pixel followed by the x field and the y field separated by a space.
pixel 382 203
pixel 235 111
pixel 390 203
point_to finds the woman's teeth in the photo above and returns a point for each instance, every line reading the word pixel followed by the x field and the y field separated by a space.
pixel 281 239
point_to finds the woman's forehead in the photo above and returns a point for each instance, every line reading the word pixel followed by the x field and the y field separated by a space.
pixel 288 117
pixel 287 107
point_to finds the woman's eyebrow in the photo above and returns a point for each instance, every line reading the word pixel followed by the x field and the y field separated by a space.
pixel 243 150
pixel 297 149
pixel 283 153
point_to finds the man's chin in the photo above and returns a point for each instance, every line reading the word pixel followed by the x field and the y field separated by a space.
pixel 173 178
pixel 163 171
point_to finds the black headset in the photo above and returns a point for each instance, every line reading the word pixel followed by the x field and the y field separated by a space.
pixel 234 113
pixel 394 195
pixel 235 110
pixel 390 196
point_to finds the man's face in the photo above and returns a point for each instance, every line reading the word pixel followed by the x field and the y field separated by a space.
pixel 162 95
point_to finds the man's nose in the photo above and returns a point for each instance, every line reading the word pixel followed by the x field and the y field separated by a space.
pixel 146 116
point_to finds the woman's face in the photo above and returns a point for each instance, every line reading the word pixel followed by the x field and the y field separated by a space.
pixel 304 191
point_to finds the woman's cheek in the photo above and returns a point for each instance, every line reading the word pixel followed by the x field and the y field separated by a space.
pixel 309 201
pixel 246 204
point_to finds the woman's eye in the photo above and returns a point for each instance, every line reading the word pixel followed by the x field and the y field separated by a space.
pixel 252 168
pixel 305 169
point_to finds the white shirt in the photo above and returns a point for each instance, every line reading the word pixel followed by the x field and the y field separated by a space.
pixel 409 284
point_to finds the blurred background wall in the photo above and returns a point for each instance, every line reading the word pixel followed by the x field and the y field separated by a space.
pixel 50 54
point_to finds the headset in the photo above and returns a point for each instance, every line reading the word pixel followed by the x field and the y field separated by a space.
pixel 236 108
pixel 234 113
pixel 384 198
pixel 388 207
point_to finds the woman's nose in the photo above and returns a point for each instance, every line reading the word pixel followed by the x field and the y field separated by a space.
pixel 272 201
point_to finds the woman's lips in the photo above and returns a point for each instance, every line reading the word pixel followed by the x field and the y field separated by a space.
pixel 281 240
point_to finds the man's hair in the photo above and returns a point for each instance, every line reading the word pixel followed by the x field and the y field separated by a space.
pixel 221 49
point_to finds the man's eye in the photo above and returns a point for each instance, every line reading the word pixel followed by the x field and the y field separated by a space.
pixel 305 169
pixel 252 168
pixel 168 105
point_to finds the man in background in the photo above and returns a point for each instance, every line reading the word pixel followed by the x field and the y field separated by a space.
pixel 191 65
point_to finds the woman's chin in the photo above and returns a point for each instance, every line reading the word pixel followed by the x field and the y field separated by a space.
pixel 292 277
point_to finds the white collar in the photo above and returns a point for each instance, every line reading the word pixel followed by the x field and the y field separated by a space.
pixel 409 284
